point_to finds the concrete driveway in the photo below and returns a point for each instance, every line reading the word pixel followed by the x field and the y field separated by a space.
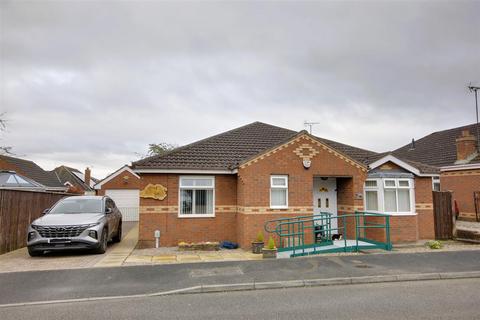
pixel 19 260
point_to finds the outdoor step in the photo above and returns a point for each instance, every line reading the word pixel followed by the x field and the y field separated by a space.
pixel 468 234
pixel 468 240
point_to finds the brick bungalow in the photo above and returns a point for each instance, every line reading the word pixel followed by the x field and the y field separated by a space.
pixel 226 186
pixel 456 153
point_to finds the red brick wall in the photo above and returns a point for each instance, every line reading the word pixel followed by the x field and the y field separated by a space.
pixel 163 214
pixel 120 183
pixel 403 229
pixel 424 208
pixel 462 184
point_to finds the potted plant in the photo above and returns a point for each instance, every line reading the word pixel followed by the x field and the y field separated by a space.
pixel 257 245
pixel 270 251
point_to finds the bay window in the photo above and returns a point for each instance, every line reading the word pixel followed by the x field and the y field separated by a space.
pixel 279 191
pixel 196 197
pixel 389 195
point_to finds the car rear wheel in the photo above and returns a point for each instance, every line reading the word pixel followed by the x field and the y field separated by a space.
pixel 103 242
pixel 118 235
pixel 34 253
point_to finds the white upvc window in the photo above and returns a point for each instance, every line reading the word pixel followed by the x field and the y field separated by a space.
pixel 279 191
pixel 371 195
pixel 389 195
pixel 196 197
pixel 436 183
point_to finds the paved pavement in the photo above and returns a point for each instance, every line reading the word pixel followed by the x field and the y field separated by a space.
pixel 99 282
pixel 19 260
pixel 447 299
pixel 168 255
pixel 116 256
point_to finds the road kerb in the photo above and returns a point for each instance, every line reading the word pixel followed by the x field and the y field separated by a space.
pixel 269 285
pixel 227 287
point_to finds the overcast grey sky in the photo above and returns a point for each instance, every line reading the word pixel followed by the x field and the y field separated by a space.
pixel 92 83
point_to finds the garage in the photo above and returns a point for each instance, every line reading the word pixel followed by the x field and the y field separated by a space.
pixel 127 200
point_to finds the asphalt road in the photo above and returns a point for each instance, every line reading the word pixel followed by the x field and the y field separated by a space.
pixel 439 299
pixel 18 287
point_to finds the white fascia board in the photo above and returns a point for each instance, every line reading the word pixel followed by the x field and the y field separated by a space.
pixel 99 184
pixel 461 167
pixel 186 171
pixel 402 164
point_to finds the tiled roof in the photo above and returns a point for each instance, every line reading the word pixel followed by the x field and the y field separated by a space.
pixel 227 150
pixel 437 149
pixel 31 170
pixel 65 174
pixel 423 168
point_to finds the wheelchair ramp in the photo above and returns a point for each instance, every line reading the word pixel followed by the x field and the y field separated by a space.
pixel 308 235
pixel 337 246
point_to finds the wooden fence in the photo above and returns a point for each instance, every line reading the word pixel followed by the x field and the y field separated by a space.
pixel 443 215
pixel 17 210
pixel 476 199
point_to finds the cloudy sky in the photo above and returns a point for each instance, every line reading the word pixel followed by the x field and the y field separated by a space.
pixel 92 83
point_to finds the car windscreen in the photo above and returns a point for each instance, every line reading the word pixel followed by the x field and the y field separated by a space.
pixel 78 206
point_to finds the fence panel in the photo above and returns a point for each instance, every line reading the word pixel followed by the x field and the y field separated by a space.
pixel 443 215
pixel 476 199
pixel 17 210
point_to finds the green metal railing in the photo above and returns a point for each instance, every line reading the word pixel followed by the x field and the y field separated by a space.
pixel 293 232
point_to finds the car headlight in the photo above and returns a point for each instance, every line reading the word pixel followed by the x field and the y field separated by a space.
pixel 91 225
pixel 92 234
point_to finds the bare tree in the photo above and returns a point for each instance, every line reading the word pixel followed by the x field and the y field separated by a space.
pixel 160 148
pixel 3 127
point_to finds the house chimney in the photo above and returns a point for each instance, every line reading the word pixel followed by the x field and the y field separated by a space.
pixel 87 176
pixel 466 145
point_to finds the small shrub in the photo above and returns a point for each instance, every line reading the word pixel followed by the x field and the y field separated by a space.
pixel 433 244
pixel 260 237
pixel 271 244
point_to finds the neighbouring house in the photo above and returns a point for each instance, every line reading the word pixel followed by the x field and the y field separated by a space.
pixel 227 186
pixel 456 153
pixel 31 170
pixel 76 181
pixel 123 186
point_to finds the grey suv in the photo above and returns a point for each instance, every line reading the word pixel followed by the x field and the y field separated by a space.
pixel 79 222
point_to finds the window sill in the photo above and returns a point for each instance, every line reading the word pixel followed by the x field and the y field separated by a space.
pixel 400 214
pixel 278 207
pixel 186 216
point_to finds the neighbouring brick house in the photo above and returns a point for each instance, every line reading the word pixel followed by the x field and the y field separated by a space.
pixel 225 187
pixel 47 179
pixel 76 181
pixel 455 153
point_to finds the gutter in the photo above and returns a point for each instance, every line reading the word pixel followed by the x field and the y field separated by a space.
pixel 461 167
pixel 186 171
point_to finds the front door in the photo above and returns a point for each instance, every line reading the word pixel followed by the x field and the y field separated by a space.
pixel 325 198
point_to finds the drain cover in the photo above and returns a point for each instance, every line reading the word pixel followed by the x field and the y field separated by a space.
pixel 227 271
pixel 363 266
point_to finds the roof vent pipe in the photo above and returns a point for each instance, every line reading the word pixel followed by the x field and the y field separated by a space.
pixel 412 146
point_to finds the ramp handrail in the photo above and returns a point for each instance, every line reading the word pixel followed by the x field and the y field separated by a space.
pixel 292 231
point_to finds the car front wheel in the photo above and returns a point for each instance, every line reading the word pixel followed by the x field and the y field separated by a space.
pixel 103 242
pixel 118 235
pixel 34 253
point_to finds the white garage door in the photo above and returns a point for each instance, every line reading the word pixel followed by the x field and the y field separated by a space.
pixel 127 200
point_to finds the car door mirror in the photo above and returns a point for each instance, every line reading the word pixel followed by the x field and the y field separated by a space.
pixel 44 212
pixel 108 210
